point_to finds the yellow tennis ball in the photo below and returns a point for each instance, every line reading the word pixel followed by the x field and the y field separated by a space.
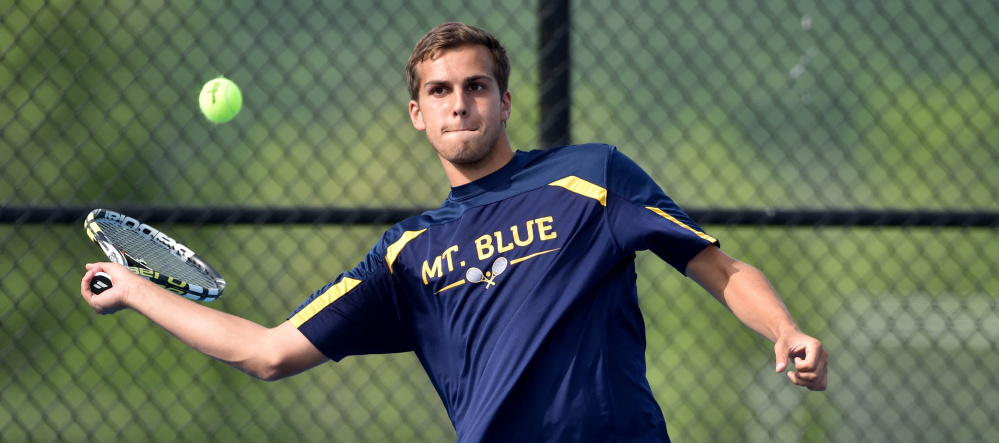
pixel 220 100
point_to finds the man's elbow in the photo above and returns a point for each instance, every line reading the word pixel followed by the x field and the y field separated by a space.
pixel 271 376
pixel 272 370
pixel 282 353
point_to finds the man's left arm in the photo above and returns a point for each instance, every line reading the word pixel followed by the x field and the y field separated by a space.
pixel 745 291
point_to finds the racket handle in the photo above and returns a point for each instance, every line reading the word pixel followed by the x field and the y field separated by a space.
pixel 100 283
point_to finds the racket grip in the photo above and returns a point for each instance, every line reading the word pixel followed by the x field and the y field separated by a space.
pixel 100 283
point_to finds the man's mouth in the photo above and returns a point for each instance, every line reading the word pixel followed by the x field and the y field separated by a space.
pixel 459 130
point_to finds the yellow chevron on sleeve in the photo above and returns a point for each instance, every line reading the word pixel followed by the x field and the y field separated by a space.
pixel 395 248
pixel 681 224
pixel 582 187
pixel 334 292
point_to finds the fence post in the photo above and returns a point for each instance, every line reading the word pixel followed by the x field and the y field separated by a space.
pixel 553 58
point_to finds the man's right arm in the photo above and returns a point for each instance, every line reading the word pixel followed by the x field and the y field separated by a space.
pixel 264 353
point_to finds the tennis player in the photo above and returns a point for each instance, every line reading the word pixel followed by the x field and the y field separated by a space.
pixel 518 295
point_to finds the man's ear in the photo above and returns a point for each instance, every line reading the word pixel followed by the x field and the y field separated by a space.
pixel 416 116
pixel 506 106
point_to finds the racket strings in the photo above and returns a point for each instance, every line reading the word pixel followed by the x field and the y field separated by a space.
pixel 156 256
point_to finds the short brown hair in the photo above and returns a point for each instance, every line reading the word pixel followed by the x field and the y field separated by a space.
pixel 450 36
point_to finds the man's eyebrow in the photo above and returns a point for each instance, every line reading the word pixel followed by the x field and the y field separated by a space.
pixel 476 78
pixel 465 81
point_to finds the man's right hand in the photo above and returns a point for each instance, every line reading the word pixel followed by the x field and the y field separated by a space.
pixel 114 299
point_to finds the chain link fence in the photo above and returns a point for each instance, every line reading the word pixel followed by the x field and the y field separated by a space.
pixel 759 106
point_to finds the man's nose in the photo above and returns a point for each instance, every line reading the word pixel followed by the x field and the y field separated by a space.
pixel 460 105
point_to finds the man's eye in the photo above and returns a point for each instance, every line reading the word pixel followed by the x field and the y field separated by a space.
pixel 477 87
pixel 437 91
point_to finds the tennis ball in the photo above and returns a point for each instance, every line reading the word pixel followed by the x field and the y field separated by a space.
pixel 220 100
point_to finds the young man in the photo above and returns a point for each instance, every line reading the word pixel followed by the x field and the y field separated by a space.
pixel 518 294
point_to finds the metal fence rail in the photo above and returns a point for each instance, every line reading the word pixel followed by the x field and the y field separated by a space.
pixel 848 149
pixel 377 216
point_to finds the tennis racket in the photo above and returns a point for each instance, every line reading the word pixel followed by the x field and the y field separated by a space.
pixel 475 275
pixel 152 255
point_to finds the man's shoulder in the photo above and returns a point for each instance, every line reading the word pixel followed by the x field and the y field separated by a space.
pixel 587 161
pixel 593 151
pixel 412 227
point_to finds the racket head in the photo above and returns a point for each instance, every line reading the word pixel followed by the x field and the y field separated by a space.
pixel 474 275
pixel 153 255
pixel 500 265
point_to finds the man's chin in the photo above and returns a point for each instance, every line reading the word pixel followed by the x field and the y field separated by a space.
pixel 464 160
pixel 461 152
pixel 465 156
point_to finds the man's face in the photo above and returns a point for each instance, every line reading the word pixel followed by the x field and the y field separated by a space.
pixel 460 106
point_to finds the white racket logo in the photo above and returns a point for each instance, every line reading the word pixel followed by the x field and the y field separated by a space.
pixel 475 275
pixel 113 254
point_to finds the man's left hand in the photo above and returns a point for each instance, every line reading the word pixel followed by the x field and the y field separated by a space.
pixel 811 361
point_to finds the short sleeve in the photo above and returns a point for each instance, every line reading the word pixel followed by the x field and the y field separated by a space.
pixel 356 314
pixel 643 217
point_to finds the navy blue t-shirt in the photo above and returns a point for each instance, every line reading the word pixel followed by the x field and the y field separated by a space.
pixel 518 296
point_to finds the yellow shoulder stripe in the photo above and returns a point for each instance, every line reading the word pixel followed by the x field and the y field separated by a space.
pixel 582 187
pixel 334 292
pixel 346 284
pixel 681 224
pixel 395 248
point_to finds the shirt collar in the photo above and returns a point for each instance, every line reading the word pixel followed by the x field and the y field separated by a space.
pixel 491 181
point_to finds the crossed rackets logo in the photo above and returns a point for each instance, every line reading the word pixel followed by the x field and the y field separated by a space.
pixel 475 275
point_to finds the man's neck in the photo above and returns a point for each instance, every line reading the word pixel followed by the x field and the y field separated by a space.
pixel 461 174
